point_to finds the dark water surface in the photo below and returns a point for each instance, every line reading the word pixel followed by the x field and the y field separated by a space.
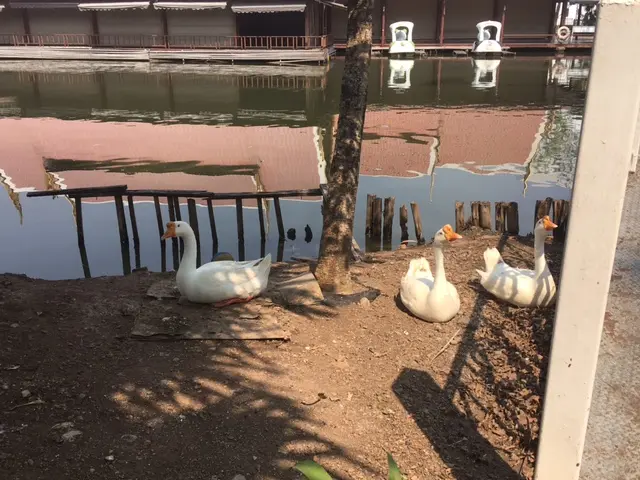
pixel 448 130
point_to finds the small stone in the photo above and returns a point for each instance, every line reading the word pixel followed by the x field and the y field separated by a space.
pixel 129 438
pixel 239 477
pixel 155 422
pixel 14 325
pixel 71 435
pixel 364 302
pixel 30 462
pixel 62 426
pixel 82 396
pixel 25 393
pixel 92 470
pixel 109 458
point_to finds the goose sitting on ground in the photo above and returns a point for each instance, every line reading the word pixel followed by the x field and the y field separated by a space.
pixel 221 282
pixel 430 298
pixel 519 286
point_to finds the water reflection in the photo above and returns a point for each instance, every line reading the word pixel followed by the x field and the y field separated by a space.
pixel 436 132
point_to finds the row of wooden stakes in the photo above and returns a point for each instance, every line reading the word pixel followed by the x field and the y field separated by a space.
pixel 379 220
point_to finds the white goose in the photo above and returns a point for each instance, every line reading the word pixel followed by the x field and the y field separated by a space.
pixel 220 282
pixel 428 298
pixel 519 286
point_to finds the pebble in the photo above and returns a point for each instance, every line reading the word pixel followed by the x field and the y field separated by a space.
pixel 109 458
pixel 129 438
pixel 25 393
pixel 71 435
pixel 239 477
pixel 14 325
pixel 62 426
pixel 364 302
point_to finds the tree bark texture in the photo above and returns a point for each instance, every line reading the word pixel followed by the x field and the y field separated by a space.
pixel 332 272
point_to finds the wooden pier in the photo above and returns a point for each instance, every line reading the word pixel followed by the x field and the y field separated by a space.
pixel 154 48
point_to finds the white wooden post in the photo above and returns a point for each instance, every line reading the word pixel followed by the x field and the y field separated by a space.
pixel 608 133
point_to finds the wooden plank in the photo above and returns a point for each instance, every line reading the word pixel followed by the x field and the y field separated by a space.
pixel 193 222
pixel 459 217
pixel 404 229
pixel 82 192
pixel 561 210
pixel 174 241
pixel 276 204
pixel 501 210
pixel 513 219
pixel 124 236
pixel 387 229
pixel 81 244
pixel 240 225
pixel 417 222
pixel 376 219
pixel 369 214
pixel 263 234
pixel 475 214
pixel 163 244
pixel 134 230
pixel 214 230
pixel 485 215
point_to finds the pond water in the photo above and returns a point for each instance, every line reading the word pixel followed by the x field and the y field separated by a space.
pixel 437 131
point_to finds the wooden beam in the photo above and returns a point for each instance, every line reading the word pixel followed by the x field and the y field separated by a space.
pixel 503 21
pixel 95 30
pixel 25 21
pixel 383 23
pixel 165 27
pixel 565 12
pixel 442 14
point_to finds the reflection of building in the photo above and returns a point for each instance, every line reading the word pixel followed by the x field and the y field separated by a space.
pixel 404 143
pixel 145 156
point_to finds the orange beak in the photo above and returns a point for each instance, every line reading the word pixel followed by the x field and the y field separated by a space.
pixel 171 231
pixel 548 224
pixel 449 234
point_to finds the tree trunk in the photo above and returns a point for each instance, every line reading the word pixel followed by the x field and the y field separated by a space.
pixel 340 200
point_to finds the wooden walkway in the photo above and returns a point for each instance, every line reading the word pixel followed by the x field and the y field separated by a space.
pixel 313 55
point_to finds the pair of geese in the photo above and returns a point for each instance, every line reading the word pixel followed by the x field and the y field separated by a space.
pixel 429 297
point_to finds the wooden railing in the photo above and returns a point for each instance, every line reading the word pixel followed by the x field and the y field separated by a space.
pixel 168 41
pixel 172 199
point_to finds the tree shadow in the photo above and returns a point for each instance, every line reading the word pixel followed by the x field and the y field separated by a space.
pixel 490 368
pixel 191 410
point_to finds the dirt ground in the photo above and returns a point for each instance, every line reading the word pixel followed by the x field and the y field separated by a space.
pixel 80 399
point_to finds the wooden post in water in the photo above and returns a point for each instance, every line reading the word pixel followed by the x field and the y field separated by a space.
pixel 276 204
pixel 163 244
pixel 240 224
pixel 513 219
pixel 376 219
pixel 263 234
pixel 280 254
pixel 417 222
pixel 543 207
pixel 404 219
pixel 174 241
pixel 475 214
pixel 176 208
pixel 134 229
pixel 193 221
pixel 485 215
pixel 81 245
pixel 369 216
pixel 124 236
pixel 214 230
pixel 501 211
pixel 459 218
pixel 560 217
pixel 387 230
